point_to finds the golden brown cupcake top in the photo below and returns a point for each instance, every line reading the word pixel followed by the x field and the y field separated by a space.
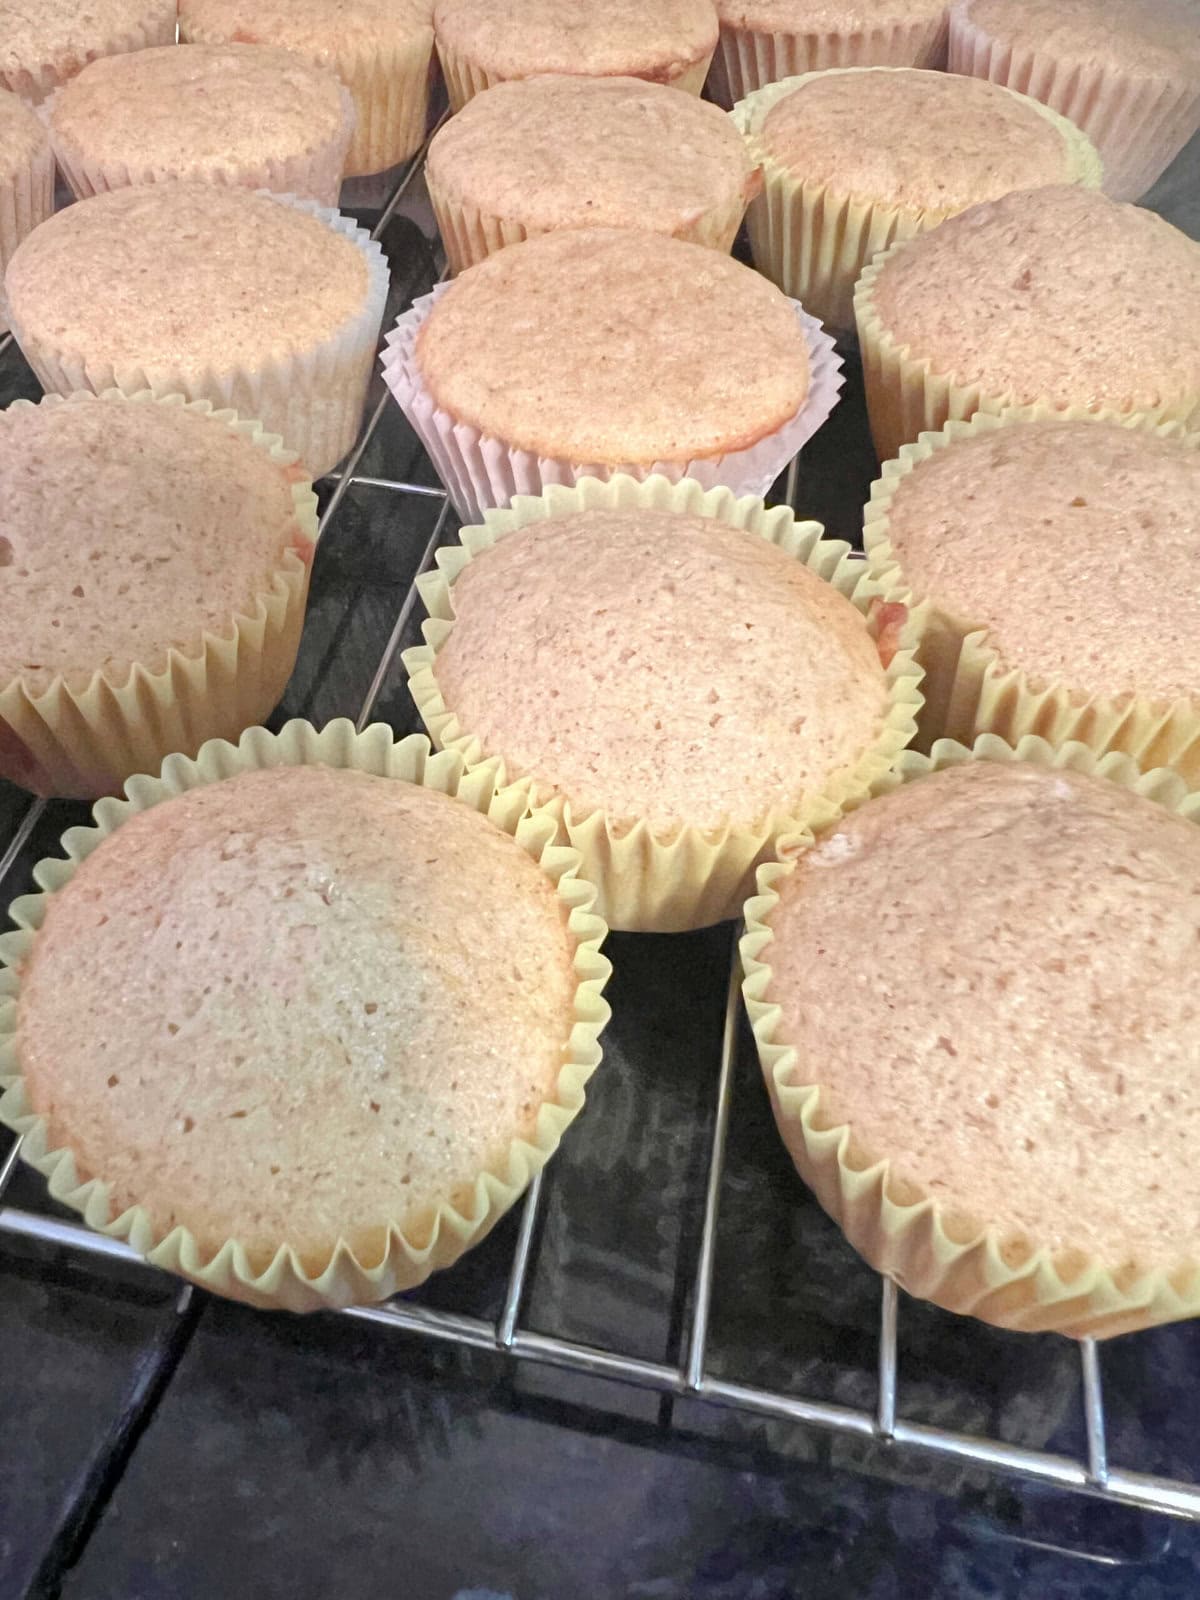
pixel 22 136
pixel 611 346
pixel 1016 948
pixel 128 529
pixel 190 277
pixel 174 113
pixel 576 36
pixel 611 152
pixel 317 1002
pixel 63 35
pixel 321 28
pixel 1147 38
pixel 1058 293
pixel 901 136
pixel 660 667
pixel 824 16
pixel 1075 544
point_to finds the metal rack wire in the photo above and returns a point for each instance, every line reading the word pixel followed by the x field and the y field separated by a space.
pixel 1091 1474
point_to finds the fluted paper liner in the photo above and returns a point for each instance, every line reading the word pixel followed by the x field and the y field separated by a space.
pixel 1139 125
pixel 84 738
pixel 312 398
pixel 814 239
pixel 963 1265
pixel 26 198
pixel 465 78
pixel 390 87
pixel 34 84
pixel 686 877
pixel 346 1280
pixel 969 689
pixel 314 175
pixel 747 60
pixel 908 396
pixel 481 472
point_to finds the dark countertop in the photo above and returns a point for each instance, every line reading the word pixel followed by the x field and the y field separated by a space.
pixel 151 1453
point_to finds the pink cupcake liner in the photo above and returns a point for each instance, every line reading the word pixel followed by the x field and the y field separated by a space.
pixel 481 472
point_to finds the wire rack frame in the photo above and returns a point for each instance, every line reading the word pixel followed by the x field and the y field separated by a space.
pixel 1092 1475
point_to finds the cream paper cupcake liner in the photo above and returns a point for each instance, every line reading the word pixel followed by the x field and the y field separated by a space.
pixel 410 1257
pixel 83 736
pixel 316 176
pixel 1139 126
pixel 687 877
pixel 906 396
pixel 26 198
pixel 156 27
pixel 814 240
pixel 312 398
pixel 465 79
pixel 481 472
pixel 470 233
pixel 968 688
pixel 390 88
pixel 963 1265
pixel 747 60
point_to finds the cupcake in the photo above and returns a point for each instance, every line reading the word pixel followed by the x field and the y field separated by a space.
pixel 233 114
pixel 154 560
pixel 854 160
pixel 43 45
pixel 680 675
pixel 269 305
pixel 989 1086
pixel 1049 298
pixel 341 1004
pixel 482 42
pixel 381 49
pixel 600 350
pixel 1126 72
pixel 535 155
pixel 763 41
pixel 26 180
pixel 1062 562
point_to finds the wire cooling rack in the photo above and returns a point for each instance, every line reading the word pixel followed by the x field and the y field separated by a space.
pixel 1089 1474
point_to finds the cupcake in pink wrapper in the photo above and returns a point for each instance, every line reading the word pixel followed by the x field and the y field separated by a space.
pixel 26 180
pixel 596 351
pixel 1126 72
pixel 45 42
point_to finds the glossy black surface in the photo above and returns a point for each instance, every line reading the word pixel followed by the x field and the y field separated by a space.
pixel 320 1457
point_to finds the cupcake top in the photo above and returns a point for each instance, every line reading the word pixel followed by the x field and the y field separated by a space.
pixel 1075 544
pixel 902 136
pixel 48 42
pixel 577 36
pixel 1140 39
pixel 22 136
pixel 612 152
pixel 548 345
pixel 187 276
pixel 1024 1043
pixel 1055 293
pixel 171 113
pixel 660 667
pixel 127 530
pixel 824 16
pixel 321 28
pixel 318 1002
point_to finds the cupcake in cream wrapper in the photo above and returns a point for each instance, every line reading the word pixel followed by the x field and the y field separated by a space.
pixel 26 180
pixel 1039 1180
pixel 294 1172
pixel 1061 561
pixel 1048 298
pixel 153 601
pixel 45 44
pixel 277 316
pixel 854 160
pixel 753 673
pixel 662 357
